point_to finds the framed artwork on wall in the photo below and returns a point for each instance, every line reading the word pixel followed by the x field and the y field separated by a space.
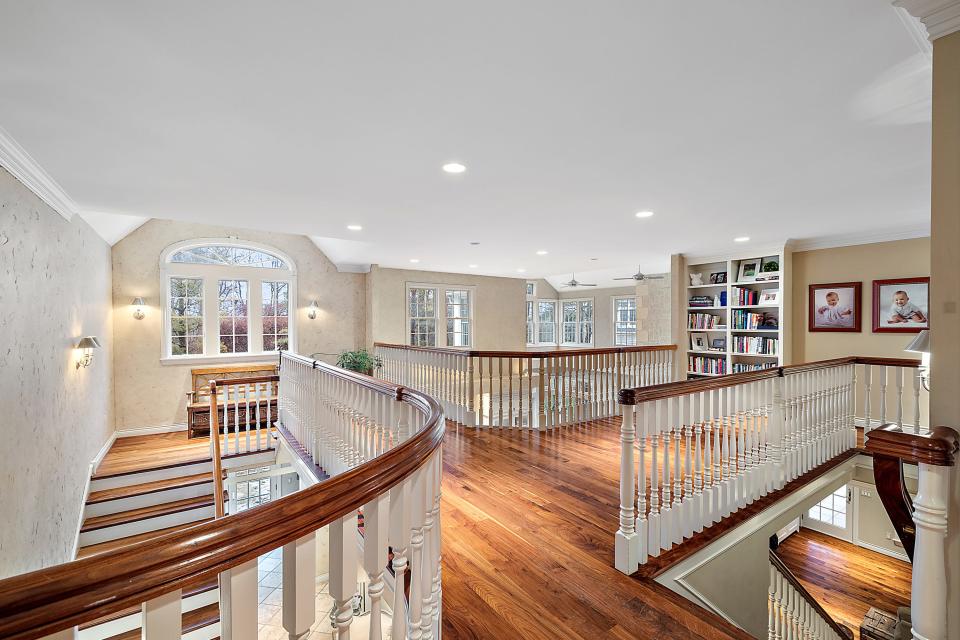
pixel 835 306
pixel 901 305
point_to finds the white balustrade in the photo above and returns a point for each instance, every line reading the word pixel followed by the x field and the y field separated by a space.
pixel 526 390
pixel 243 409
pixel 792 613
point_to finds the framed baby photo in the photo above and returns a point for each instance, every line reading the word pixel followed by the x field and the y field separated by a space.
pixel 901 305
pixel 835 306
pixel 699 342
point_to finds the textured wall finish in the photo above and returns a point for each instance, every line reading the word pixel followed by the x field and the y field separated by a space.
pixel 149 393
pixel 54 289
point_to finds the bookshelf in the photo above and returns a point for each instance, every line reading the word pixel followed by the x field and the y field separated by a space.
pixel 735 315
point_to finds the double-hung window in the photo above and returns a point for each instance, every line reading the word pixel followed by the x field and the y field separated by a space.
pixel 430 304
pixel 625 321
pixel 224 299
pixel 577 322
pixel 546 322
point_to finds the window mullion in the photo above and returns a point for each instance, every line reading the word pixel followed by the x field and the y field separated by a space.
pixel 211 315
pixel 255 316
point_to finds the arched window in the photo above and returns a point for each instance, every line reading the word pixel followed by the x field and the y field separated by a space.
pixel 227 299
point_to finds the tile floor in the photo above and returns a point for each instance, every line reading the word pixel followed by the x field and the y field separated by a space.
pixel 270 596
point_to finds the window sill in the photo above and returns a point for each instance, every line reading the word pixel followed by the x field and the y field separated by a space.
pixel 220 359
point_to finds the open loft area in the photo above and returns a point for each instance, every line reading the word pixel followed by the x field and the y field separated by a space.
pixel 506 321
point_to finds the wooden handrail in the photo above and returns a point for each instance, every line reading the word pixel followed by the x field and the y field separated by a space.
pixel 528 354
pixel 938 447
pixel 42 602
pixel 784 570
pixel 684 387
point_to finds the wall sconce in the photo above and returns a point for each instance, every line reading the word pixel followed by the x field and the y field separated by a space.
pixel 138 305
pixel 921 345
pixel 313 310
pixel 86 347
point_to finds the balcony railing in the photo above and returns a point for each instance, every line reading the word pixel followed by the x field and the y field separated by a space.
pixel 380 442
pixel 525 389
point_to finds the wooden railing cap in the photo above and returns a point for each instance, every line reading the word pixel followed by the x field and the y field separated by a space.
pixel 528 354
pixel 938 447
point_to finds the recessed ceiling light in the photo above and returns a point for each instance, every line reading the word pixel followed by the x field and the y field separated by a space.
pixel 454 167
pixel 474 243
pixel 644 214
pixel 414 260
pixel 472 266
pixel 542 252
pixel 521 270
pixel 354 227
pixel 742 239
pixel 594 259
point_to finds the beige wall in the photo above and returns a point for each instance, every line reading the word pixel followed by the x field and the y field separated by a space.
pixel 945 289
pixel 861 263
pixel 54 289
pixel 149 393
pixel 498 314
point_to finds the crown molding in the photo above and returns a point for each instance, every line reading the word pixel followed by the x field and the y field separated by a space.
pixel 940 17
pixel 24 168
pixel 863 237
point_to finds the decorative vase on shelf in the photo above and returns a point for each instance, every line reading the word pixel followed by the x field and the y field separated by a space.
pixel 716 301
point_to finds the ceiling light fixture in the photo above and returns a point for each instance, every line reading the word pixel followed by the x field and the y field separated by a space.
pixel 521 270
pixel 472 266
pixel 474 243
pixel 644 214
pixel 354 227
pixel 414 260
pixel 542 252
pixel 742 239
pixel 454 167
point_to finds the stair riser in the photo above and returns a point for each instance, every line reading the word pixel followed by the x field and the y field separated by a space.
pixel 147 500
pixel 114 627
pixel 126 480
pixel 204 633
pixel 152 475
pixel 125 530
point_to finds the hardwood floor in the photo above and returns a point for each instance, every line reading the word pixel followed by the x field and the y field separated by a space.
pixel 528 523
pixel 846 579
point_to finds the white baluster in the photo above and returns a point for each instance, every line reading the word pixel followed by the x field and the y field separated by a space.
pixel 343 571
pixel 653 521
pixel 898 381
pixel 238 602
pixel 376 520
pixel 883 395
pixel 399 536
pixel 299 585
pixel 642 422
pixel 162 617
pixel 915 374
pixel 928 596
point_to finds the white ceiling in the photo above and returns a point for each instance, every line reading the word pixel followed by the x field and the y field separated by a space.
pixel 772 119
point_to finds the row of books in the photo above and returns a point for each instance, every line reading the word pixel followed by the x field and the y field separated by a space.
pixel 741 319
pixel 742 296
pixel 702 301
pixel 700 364
pixel 743 367
pixel 756 344
pixel 702 321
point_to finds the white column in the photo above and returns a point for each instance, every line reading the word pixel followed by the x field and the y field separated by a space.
pixel 343 571
pixel 376 516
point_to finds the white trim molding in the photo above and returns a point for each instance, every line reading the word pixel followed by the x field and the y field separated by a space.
pixel 24 168
pixel 866 236
pixel 940 17
pixel 146 431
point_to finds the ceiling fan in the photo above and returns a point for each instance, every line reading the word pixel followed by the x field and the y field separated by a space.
pixel 639 276
pixel 576 283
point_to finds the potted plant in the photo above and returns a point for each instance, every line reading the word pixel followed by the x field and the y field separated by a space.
pixel 360 361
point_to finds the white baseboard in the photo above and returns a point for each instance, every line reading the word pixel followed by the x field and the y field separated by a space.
pixel 886 552
pixel 95 464
pixel 874 423
pixel 146 431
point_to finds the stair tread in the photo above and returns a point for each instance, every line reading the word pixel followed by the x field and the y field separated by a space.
pixel 191 589
pixel 149 487
pixel 191 621
pixel 135 515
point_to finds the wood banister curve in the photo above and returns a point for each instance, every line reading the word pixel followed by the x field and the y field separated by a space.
pixel 42 602
pixel 528 354
pixel 938 447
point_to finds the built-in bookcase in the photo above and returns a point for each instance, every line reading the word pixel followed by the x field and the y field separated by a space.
pixel 740 318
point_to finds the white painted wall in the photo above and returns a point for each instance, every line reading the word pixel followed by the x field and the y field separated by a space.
pixel 54 288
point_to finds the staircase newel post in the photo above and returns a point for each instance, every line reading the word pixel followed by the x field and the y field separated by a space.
pixel 928 597
pixel 625 547
pixel 775 435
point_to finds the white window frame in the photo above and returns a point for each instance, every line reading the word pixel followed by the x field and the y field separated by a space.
pixel 616 321
pixel 531 288
pixel 211 276
pixel 536 321
pixel 440 311
pixel 579 322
